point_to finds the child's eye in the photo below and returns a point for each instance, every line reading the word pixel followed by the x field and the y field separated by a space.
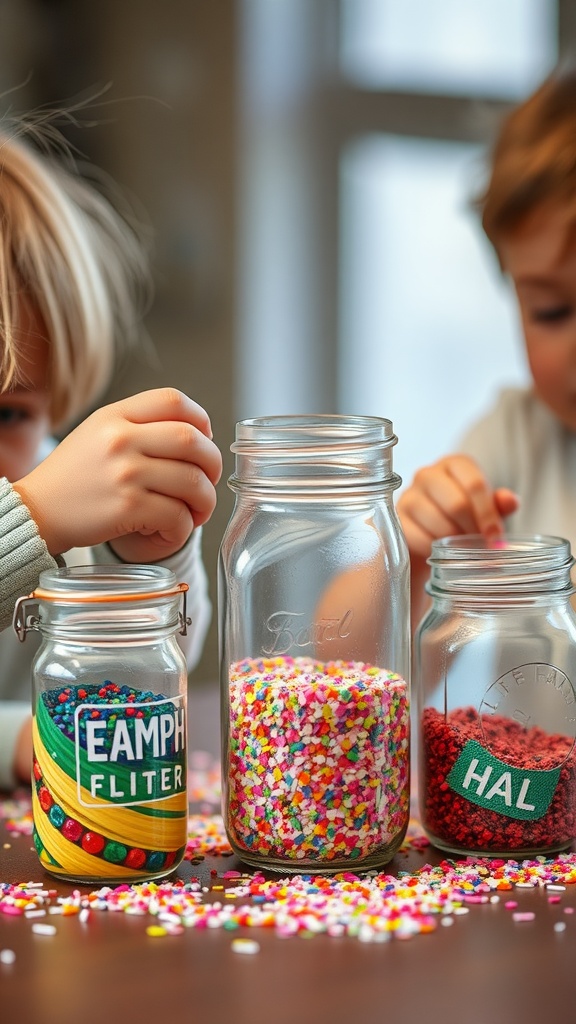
pixel 9 416
pixel 553 314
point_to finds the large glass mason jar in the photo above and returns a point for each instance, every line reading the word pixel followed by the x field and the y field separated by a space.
pixel 495 667
pixel 314 630
pixel 109 782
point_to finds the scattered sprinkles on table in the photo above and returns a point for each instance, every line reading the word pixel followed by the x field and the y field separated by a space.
pixel 375 907
pixel 318 770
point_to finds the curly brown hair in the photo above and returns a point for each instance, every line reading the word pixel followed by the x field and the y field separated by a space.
pixel 533 160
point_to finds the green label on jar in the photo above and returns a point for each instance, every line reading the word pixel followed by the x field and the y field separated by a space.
pixel 488 782
pixel 133 753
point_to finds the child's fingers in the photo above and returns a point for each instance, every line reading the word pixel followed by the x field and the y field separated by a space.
pixel 423 519
pixel 418 538
pixel 476 511
pixel 506 501
pixel 455 492
pixel 156 513
pixel 180 442
pixel 164 404
pixel 179 482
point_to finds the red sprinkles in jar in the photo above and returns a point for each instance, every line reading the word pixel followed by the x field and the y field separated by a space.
pixel 456 823
pixel 318 760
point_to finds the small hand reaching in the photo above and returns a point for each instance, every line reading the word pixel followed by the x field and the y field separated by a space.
pixel 140 473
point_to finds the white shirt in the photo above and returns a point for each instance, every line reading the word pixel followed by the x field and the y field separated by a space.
pixel 521 445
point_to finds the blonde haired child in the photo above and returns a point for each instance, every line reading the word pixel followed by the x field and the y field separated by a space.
pixel 134 481
pixel 516 468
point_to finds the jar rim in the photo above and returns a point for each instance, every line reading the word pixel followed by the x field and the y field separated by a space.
pixel 314 454
pixel 473 567
pixel 107 583
pixel 319 431
pixel 510 548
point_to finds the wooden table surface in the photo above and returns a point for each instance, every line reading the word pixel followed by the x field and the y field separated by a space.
pixel 484 969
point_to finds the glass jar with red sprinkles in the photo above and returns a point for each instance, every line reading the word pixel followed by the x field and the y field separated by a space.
pixel 109 775
pixel 495 665
pixel 314 631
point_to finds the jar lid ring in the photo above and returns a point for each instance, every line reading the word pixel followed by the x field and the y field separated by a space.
pixel 104 596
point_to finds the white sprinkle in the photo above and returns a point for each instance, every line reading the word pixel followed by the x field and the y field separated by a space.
pixel 7 956
pixel 494 899
pixel 246 946
pixel 35 913
pixel 461 910
pixel 167 917
pixel 556 888
pixel 44 929
pixel 524 915
pixel 446 921
pixel 84 915
pixel 560 926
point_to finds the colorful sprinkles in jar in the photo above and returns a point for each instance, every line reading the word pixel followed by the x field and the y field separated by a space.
pixel 318 771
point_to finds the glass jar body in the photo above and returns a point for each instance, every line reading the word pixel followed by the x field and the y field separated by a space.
pixel 314 627
pixel 495 664
pixel 109 725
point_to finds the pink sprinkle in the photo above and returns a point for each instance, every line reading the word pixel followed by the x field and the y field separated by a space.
pixel 510 905
pixel 553 899
pixel 526 915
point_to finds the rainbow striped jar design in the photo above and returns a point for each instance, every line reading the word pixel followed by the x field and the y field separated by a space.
pixel 109 775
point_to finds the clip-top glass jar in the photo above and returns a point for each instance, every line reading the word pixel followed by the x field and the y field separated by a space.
pixel 314 628
pixel 496 667
pixel 109 782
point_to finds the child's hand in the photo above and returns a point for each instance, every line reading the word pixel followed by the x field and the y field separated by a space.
pixel 450 497
pixel 140 473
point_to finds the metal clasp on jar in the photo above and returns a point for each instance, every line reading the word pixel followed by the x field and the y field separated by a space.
pixel 183 619
pixel 21 620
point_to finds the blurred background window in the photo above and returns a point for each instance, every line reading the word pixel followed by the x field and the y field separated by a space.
pixel 488 47
pixel 307 168
pixel 366 284
pixel 427 324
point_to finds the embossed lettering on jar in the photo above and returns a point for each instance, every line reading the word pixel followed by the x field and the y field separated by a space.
pixel 496 669
pixel 314 630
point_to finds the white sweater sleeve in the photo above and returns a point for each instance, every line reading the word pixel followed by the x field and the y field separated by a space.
pixel 188 567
